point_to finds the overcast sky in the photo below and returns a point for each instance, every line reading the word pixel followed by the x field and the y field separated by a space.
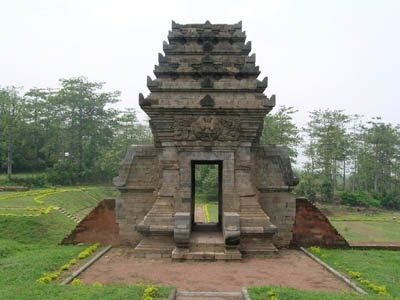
pixel 317 54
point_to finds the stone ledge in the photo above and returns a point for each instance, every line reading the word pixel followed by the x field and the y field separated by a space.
pixel 186 254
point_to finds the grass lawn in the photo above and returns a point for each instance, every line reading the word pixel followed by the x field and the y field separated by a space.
pixel 212 212
pixel 364 225
pixel 266 293
pixel 379 267
pixel 369 231
pixel 77 200
pixel 29 248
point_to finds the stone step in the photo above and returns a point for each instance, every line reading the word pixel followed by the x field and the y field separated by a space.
pixel 184 295
pixel 206 242
pixel 154 247
pixel 260 253
pixel 186 254
pixel 153 219
pixel 162 210
pixel 163 206
pixel 251 246
pixel 166 228
pixel 207 247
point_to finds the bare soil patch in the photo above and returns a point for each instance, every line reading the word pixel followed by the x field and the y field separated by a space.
pixel 290 269
pixel 200 215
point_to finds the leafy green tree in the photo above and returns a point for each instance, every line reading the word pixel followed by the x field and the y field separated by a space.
pixel 279 128
pixel 379 162
pixel 11 107
pixel 42 132
pixel 86 128
pixel 127 130
pixel 328 147
pixel 207 180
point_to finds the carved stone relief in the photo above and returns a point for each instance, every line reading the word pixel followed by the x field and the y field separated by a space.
pixel 144 172
pixel 207 128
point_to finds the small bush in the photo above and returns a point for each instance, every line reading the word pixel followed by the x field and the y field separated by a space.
pixel 76 281
pixel 360 198
pixel 97 284
pixel 65 267
pixel 150 293
pixel 307 187
pixel 389 200
pixel 37 180
pixel 88 251
pixel 272 295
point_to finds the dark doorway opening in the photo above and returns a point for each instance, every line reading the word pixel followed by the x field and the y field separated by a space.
pixel 206 195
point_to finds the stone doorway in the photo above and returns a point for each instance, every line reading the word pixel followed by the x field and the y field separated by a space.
pixel 206 195
pixel 206 106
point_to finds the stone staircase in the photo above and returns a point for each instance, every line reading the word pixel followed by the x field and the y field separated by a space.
pixel 157 230
pixel 160 218
pixel 184 295
pixel 256 229
pixel 206 246
pixel 155 246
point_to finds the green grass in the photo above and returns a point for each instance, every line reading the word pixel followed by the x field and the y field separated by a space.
pixel 45 229
pixel 378 266
pixel 29 248
pixel 262 293
pixel 369 231
pixel 77 200
pixel 213 212
pixel 342 211
pixel 358 224
pixel 201 198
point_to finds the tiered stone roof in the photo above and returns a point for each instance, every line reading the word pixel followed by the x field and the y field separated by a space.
pixel 206 67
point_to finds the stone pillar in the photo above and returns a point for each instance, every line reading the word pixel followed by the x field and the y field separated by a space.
pixel 252 216
pixel 161 216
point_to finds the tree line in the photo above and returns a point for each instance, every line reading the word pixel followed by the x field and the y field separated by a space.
pixel 71 133
pixel 345 155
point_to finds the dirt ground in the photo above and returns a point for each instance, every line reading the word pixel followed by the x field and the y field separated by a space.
pixel 200 216
pixel 291 269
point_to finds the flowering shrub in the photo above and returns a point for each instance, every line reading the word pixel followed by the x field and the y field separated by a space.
pixel 76 281
pixel 315 250
pixel 97 284
pixel 272 295
pixel 150 293
pixel 49 277
pixel 88 251
pixel 65 267
pixel 381 290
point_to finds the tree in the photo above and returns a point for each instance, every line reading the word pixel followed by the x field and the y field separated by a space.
pixel 126 131
pixel 206 177
pixel 379 162
pixel 81 106
pixel 11 107
pixel 328 147
pixel 280 129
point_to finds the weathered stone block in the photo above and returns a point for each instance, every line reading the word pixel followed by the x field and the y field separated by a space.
pixel 206 104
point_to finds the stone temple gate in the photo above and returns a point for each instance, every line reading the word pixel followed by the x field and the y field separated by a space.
pixel 206 105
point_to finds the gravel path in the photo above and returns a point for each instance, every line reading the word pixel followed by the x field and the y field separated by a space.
pixel 291 269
